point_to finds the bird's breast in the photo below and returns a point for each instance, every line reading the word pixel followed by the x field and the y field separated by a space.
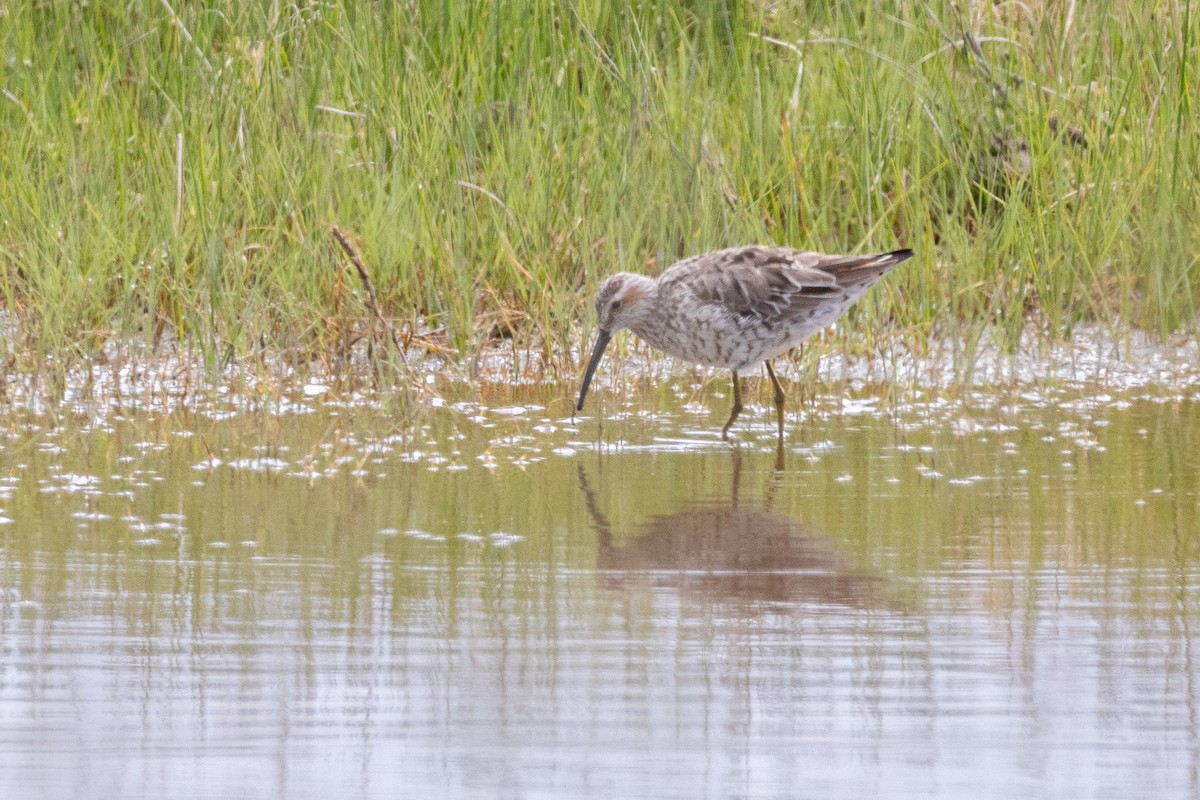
pixel 713 335
pixel 720 340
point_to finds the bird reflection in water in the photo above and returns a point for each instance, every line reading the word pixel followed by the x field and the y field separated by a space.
pixel 730 555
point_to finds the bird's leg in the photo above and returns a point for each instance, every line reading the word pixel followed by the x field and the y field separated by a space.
pixel 778 397
pixel 737 405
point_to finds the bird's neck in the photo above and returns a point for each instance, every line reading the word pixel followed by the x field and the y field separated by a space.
pixel 644 313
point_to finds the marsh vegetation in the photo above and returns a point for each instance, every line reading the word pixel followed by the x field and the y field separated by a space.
pixel 171 172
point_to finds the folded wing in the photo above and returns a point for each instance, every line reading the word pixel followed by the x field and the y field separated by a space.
pixel 773 284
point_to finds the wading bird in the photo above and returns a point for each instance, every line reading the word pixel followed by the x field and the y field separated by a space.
pixel 736 307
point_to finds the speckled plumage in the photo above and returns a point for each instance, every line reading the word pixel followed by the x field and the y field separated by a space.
pixel 736 307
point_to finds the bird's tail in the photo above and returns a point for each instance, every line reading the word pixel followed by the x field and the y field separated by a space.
pixel 852 270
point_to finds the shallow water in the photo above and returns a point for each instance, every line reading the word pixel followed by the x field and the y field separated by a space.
pixel 994 597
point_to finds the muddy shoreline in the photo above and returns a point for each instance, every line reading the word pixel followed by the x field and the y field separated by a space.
pixel 826 368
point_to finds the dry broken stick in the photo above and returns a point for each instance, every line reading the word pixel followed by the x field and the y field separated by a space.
pixel 372 300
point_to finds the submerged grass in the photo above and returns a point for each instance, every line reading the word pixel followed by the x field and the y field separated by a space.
pixel 170 172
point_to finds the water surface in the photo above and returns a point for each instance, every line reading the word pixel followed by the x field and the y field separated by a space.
pixel 990 598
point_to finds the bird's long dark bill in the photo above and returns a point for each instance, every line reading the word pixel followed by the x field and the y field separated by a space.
pixel 597 353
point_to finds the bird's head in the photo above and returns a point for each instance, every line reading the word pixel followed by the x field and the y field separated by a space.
pixel 619 304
